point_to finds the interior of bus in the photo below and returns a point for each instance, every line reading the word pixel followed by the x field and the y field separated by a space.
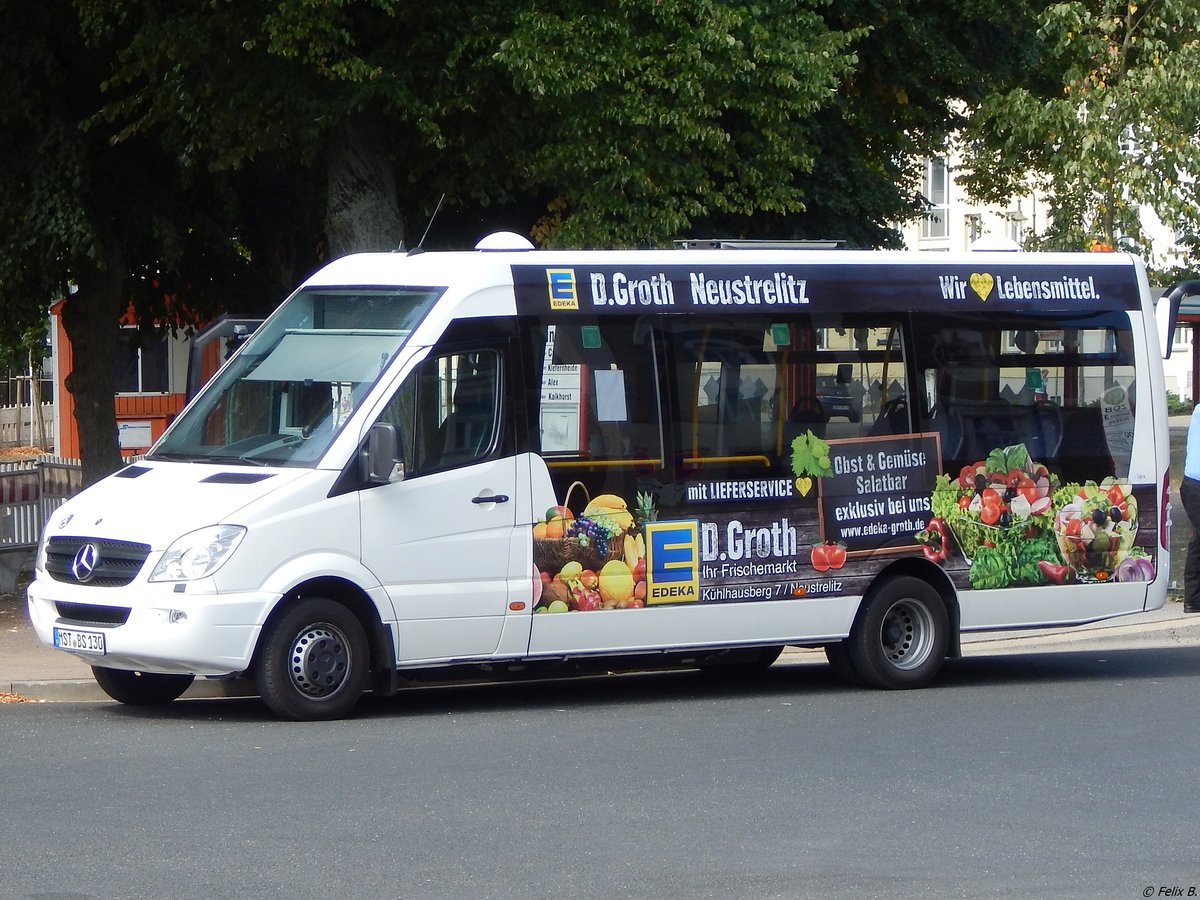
pixel 726 396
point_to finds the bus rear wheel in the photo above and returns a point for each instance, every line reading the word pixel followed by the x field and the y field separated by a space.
pixel 901 636
pixel 314 661
pixel 141 688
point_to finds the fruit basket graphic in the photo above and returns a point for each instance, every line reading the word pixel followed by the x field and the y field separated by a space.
pixel 591 539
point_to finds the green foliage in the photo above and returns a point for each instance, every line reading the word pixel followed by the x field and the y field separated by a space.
pixel 1107 122
pixel 42 220
pixel 920 64
pixel 182 146
pixel 95 216
pixel 621 123
pixel 656 114
pixel 1177 406
pixel 810 456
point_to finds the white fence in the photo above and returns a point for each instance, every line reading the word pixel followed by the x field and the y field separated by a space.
pixel 30 491
pixel 27 426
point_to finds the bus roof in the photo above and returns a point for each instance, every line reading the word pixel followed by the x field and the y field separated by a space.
pixel 748 280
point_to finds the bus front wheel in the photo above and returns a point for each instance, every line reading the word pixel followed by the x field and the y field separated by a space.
pixel 901 637
pixel 314 661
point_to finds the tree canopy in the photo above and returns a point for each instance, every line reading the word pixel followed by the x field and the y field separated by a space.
pixel 94 222
pixel 210 152
pixel 1108 122
pixel 625 122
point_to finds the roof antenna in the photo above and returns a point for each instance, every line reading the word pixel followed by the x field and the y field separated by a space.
pixel 419 248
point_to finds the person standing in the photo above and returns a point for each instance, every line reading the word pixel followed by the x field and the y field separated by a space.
pixel 1189 493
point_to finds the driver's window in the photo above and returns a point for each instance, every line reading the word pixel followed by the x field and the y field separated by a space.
pixel 447 411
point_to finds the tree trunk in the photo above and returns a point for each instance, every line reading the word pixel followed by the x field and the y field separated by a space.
pixel 363 211
pixel 37 428
pixel 90 319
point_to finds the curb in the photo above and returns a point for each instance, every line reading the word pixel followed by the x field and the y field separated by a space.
pixel 86 690
pixel 1167 632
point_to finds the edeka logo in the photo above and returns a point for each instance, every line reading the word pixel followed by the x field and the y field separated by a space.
pixel 561 283
pixel 672 562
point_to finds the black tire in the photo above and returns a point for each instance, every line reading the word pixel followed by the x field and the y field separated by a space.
pixel 141 688
pixel 313 661
pixel 838 655
pixel 901 636
pixel 741 660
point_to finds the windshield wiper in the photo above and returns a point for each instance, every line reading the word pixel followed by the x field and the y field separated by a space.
pixel 235 460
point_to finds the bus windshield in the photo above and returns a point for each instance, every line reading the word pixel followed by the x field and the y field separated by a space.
pixel 284 397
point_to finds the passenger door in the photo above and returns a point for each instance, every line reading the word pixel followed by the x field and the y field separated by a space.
pixel 442 540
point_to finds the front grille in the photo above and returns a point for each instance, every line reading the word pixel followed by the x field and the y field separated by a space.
pixel 90 614
pixel 116 562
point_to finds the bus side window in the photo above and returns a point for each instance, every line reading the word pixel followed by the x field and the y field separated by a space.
pixel 597 414
pixel 732 402
pixel 466 432
pixel 447 411
pixel 1062 385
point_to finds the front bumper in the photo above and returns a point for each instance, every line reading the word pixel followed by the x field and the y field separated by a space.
pixel 189 632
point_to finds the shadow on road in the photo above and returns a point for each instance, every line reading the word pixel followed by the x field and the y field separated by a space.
pixel 1139 664
pixel 785 681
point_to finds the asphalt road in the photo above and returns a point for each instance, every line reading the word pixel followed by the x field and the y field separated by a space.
pixel 1063 774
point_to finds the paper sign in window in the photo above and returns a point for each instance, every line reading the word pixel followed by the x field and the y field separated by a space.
pixel 562 409
pixel 610 396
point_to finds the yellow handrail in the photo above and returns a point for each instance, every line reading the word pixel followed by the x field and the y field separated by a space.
pixel 601 463
pixel 710 460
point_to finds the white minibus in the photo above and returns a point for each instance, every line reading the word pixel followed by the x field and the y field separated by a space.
pixel 518 459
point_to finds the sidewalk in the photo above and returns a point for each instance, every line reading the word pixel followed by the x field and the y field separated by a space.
pixel 29 670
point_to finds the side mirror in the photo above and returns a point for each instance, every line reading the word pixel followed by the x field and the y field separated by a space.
pixel 1166 312
pixel 385 457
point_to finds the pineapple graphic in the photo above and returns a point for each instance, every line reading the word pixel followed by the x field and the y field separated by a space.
pixel 645 511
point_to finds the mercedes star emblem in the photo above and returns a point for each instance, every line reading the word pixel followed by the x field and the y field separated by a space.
pixel 84 564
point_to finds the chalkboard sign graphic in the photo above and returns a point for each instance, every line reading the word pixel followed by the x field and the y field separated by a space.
pixel 876 497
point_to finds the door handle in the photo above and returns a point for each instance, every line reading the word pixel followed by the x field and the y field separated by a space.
pixel 490 498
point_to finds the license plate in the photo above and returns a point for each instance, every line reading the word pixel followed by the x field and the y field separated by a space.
pixel 79 641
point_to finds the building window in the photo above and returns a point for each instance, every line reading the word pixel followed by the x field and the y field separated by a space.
pixel 936 222
pixel 140 362
pixel 1183 337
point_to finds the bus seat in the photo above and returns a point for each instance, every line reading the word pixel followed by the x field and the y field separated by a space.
pixel 806 415
pixel 1086 456
pixel 468 429
pixel 1049 417
pixel 892 419
pixel 949 427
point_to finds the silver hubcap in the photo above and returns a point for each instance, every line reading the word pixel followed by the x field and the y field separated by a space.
pixel 320 661
pixel 907 634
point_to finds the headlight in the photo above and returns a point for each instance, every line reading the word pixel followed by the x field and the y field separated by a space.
pixel 198 554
